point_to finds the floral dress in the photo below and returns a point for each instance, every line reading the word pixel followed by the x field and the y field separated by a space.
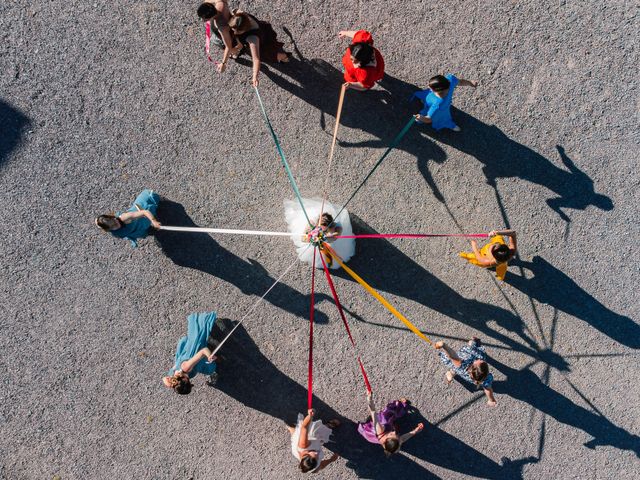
pixel 468 354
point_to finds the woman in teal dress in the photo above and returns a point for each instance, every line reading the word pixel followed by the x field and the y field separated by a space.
pixel 437 101
pixel 135 222
pixel 193 355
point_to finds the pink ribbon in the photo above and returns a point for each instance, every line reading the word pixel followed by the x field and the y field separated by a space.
pixel 415 235
pixel 207 39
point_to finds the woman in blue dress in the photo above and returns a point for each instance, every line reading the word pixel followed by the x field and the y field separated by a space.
pixel 135 222
pixel 193 355
pixel 437 101
pixel 469 364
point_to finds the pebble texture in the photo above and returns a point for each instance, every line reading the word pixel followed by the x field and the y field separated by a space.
pixel 101 100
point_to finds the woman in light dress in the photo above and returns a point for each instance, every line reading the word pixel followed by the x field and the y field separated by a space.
pixel 332 227
pixel 307 438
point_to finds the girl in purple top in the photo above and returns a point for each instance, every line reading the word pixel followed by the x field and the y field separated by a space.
pixel 437 101
pixel 382 426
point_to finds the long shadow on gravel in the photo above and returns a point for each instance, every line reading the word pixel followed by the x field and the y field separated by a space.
pixel 382 113
pixel 13 123
pixel 201 252
pixel 503 157
pixel 250 378
pixel 439 448
pixel 526 386
pixel 553 287
pixel 396 273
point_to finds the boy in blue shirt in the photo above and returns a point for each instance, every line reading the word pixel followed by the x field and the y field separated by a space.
pixel 437 101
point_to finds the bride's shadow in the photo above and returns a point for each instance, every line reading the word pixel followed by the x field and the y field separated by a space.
pixel 249 377
pixel 201 252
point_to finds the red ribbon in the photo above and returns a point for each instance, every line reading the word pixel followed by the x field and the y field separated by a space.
pixel 414 235
pixel 344 320
pixel 311 311
pixel 207 38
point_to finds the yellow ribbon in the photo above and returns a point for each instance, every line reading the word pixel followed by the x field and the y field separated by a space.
pixel 378 297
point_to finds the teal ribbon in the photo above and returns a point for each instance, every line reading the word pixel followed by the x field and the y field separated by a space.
pixel 282 157
pixel 391 146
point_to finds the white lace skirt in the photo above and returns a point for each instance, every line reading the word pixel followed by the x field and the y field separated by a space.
pixel 318 435
pixel 297 224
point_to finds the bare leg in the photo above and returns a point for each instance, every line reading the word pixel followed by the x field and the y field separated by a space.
pixel 450 375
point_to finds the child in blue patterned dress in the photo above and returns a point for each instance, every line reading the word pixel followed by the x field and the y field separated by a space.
pixel 437 101
pixel 469 364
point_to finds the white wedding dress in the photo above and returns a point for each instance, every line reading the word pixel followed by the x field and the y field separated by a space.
pixel 297 224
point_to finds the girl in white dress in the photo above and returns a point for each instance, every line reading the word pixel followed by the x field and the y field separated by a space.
pixel 307 441
pixel 299 227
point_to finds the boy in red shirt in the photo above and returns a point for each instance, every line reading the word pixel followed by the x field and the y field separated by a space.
pixel 363 64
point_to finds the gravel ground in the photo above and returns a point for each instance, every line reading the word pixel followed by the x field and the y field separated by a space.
pixel 99 101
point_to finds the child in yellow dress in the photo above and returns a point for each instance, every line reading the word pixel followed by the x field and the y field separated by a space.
pixel 496 253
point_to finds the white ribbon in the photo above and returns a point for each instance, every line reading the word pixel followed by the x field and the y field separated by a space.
pixel 225 230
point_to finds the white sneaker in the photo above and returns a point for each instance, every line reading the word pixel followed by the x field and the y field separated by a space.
pixel 456 129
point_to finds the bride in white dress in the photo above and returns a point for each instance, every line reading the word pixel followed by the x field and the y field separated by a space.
pixel 299 227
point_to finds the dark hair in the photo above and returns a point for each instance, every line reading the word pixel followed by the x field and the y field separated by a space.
pixel 184 387
pixel 501 253
pixel 479 372
pixel 438 83
pixel 362 52
pixel 238 20
pixel 308 463
pixel 207 10
pixel 103 221
pixel 391 445
pixel 326 219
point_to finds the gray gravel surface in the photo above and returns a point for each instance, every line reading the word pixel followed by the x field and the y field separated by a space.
pixel 101 100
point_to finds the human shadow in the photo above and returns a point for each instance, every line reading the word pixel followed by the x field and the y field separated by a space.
pixel 553 287
pixel 396 273
pixel 201 252
pixel 249 377
pixel 545 399
pixel 503 157
pixel 14 123
pixel 438 447
pixel 380 112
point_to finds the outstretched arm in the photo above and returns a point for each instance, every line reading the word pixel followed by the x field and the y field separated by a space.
pixel 407 436
pixel 482 260
pixel 225 33
pixel 374 418
pixel 128 217
pixel 347 33
pixel 254 46
pixel 513 243
pixel 303 441
pixel 355 86
pixel 188 365
pixel 326 462
pixel 467 83
pixel 491 400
